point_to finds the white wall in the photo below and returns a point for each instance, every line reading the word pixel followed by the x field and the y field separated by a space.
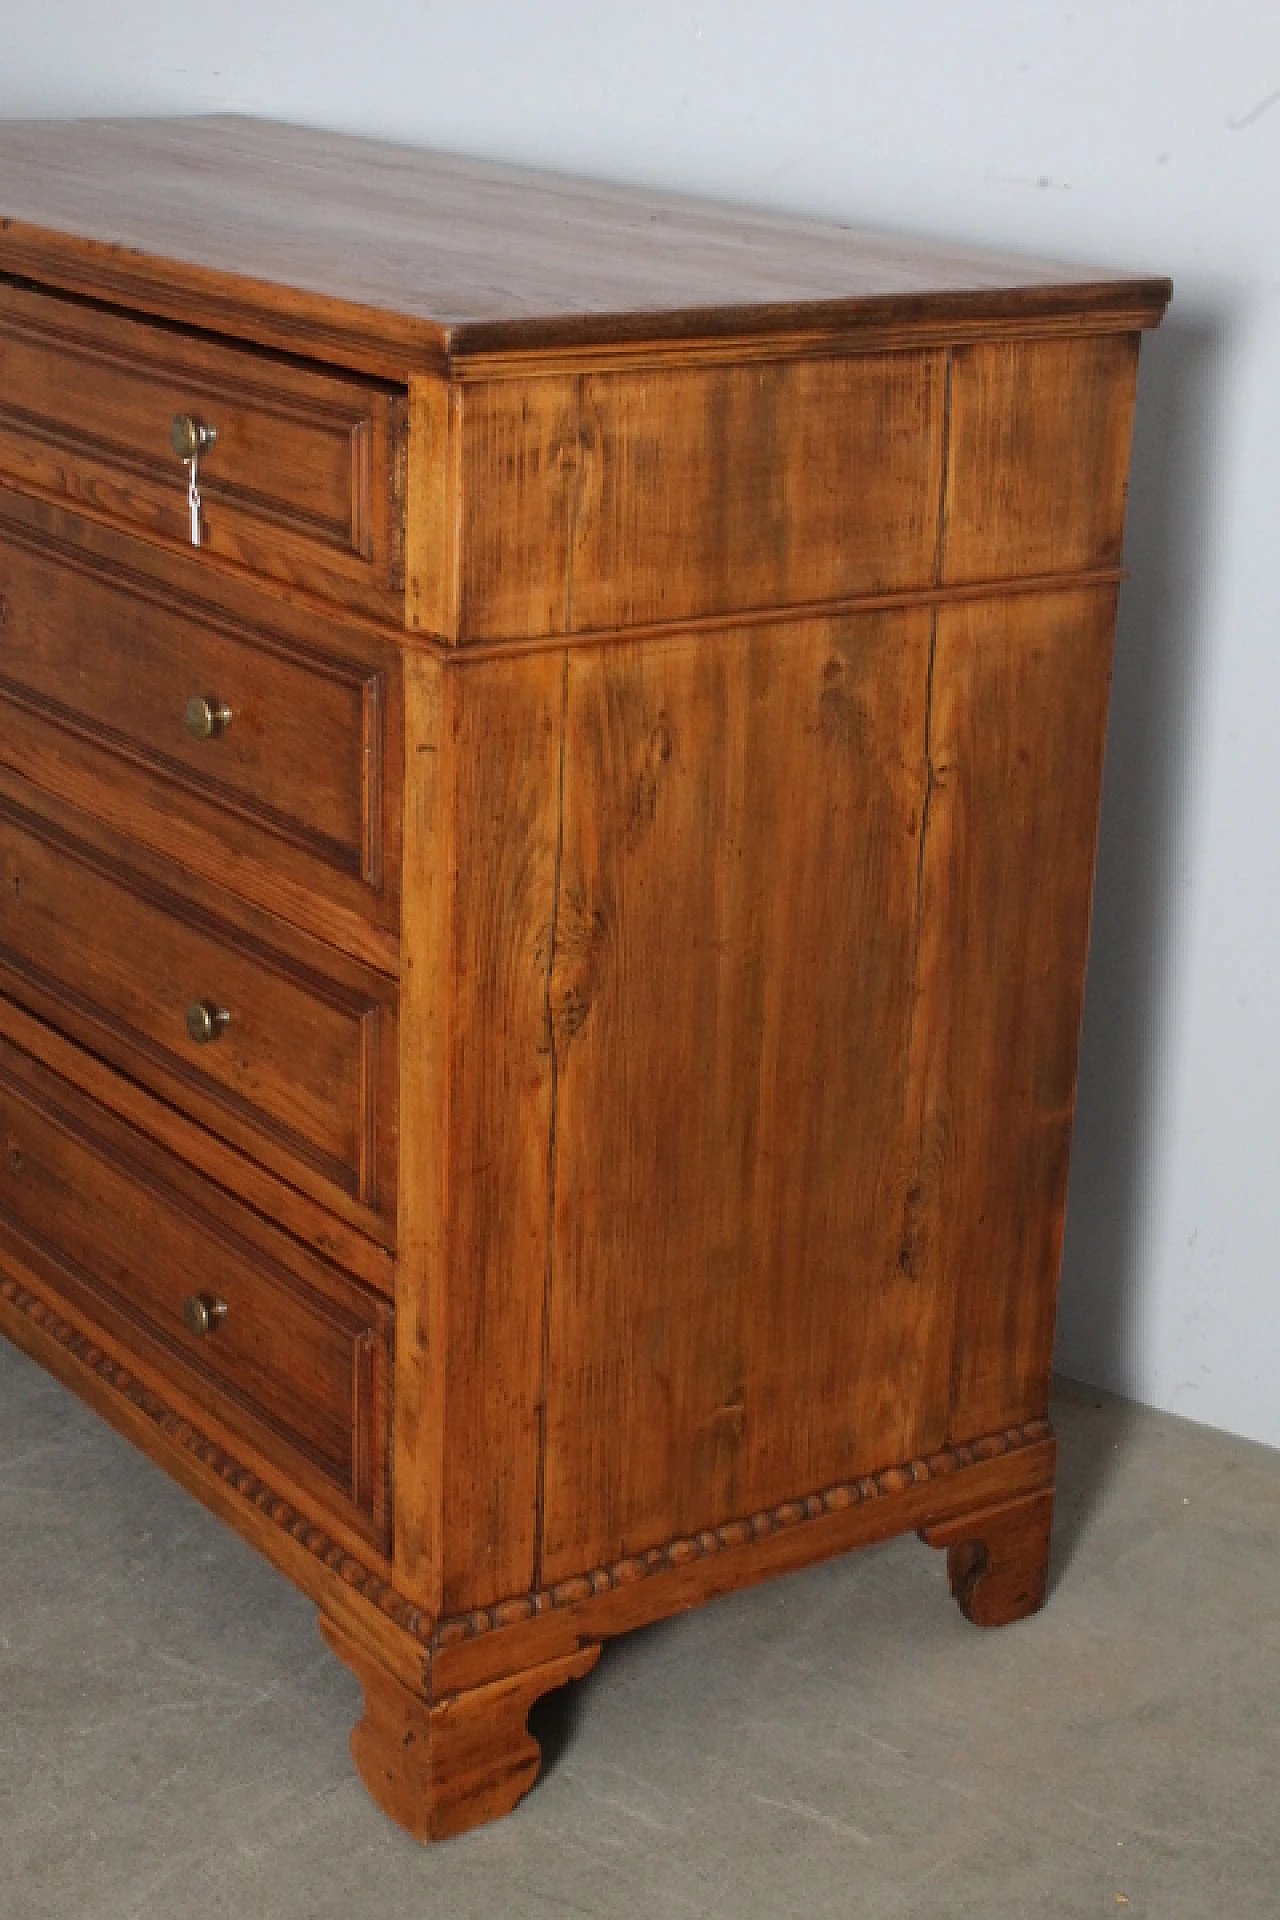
pixel 1139 133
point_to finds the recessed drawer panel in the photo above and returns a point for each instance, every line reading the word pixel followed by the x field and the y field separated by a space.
pixel 274 1344
pixel 301 479
pixel 293 1064
pixel 280 731
pixel 251 742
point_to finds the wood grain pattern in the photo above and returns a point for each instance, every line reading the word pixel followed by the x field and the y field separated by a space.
pixel 649 871
pixel 694 1568
pixel 316 1225
pixel 505 754
pixel 302 756
pixel 441 1769
pixel 731 1007
pixel 423 1274
pixel 433 535
pixel 387 258
pixel 1016 735
pixel 295 807
pixel 301 483
pixel 122 1235
pixel 305 1073
pixel 475 1649
pixel 608 500
pixel 998 1558
pixel 1039 456
pixel 341 1571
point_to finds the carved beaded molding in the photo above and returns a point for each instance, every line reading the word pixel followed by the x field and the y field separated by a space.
pixel 738 1533
pixel 180 1432
pixel 566 1593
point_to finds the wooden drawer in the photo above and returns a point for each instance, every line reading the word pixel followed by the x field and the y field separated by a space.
pixel 304 482
pixel 302 1072
pixel 126 1237
pixel 295 796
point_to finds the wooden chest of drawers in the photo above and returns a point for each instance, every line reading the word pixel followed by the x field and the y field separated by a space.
pixel 549 755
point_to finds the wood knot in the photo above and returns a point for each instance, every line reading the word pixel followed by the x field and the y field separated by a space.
pixel 578 945
pixel 654 755
pixel 572 448
pixel 912 1234
pixel 842 714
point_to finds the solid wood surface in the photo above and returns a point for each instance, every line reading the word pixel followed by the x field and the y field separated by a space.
pixel 648 869
pixel 296 807
pixel 390 257
pixel 1039 456
pixel 439 1770
pixel 121 1234
pixel 302 482
pixel 612 500
pixel 350 1581
pixel 305 1075
pixel 732 1153
pixel 956 1483
pixel 422 1279
pixel 315 1225
pixel 998 1558
pixel 505 755
pixel 1015 749
pixel 296 754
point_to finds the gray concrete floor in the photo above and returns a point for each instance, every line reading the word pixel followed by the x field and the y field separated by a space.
pixel 173 1735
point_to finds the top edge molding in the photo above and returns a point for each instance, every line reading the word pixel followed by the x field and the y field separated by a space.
pixel 392 262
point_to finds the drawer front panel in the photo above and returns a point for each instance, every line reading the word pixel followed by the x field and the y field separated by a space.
pixel 301 1071
pixel 295 1360
pixel 295 805
pixel 303 481
pixel 295 740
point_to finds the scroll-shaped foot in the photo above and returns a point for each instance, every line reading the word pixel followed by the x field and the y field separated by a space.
pixel 440 1769
pixel 998 1558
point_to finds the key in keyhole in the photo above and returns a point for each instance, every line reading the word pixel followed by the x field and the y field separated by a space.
pixel 193 497
pixel 190 439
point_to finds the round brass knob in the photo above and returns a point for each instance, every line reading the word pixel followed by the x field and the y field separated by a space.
pixel 206 717
pixel 204 1313
pixel 191 437
pixel 205 1021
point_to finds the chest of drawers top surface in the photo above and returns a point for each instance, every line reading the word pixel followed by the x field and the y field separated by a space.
pixel 389 259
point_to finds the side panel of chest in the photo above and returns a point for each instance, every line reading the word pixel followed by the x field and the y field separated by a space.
pixel 796 912
pixel 574 503
pixel 732 1314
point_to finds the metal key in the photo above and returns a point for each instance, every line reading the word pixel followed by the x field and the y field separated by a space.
pixel 190 439
pixel 193 500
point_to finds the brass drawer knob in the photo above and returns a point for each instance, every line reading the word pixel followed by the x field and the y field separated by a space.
pixel 204 1313
pixel 205 1021
pixel 206 718
pixel 191 437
